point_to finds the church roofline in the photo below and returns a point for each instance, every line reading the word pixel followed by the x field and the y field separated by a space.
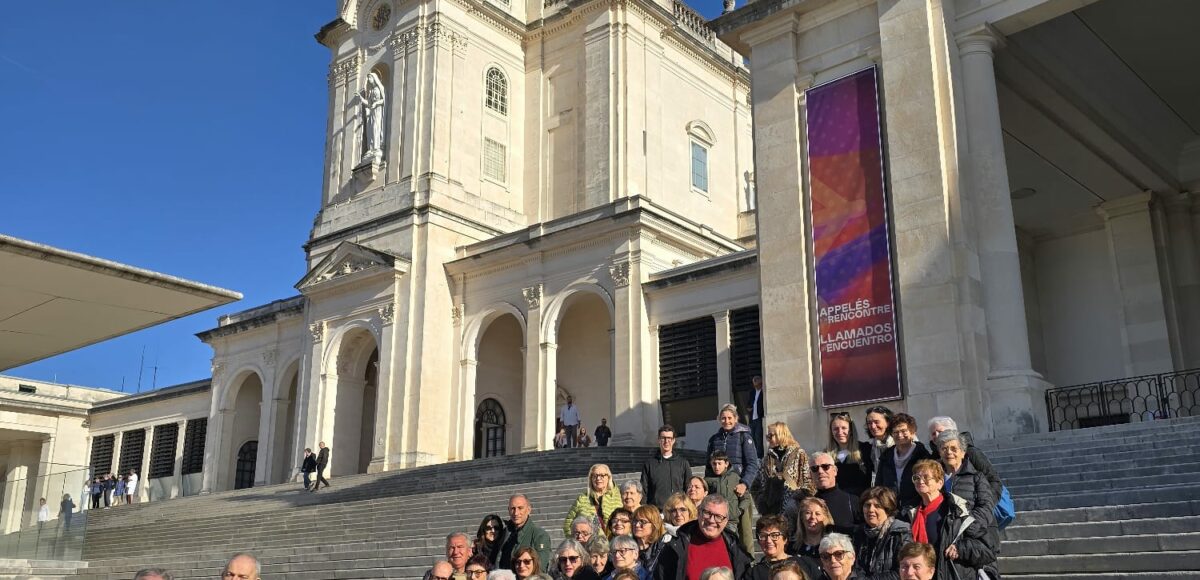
pixel 634 206
pixel 254 317
pixel 163 394
pixel 703 269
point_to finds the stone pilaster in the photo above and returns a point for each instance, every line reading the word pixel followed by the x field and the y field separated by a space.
pixel 635 416
pixel 540 373
pixel 724 361
pixel 1138 283
pixel 1185 272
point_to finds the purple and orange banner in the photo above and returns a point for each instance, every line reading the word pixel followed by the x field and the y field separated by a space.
pixel 853 258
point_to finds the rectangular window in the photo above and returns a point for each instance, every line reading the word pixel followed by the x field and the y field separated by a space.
pixel 102 453
pixel 699 167
pixel 494 157
pixel 162 452
pixel 193 445
pixel 132 444
pixel 687 371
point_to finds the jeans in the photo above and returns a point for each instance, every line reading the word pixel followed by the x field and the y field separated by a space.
pixel 572 434
pixel 307 479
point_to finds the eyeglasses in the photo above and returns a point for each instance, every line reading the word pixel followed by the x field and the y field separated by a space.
pixel 491 528
pixel 641 522
pixel 625 550
pixel 772 536
pixel 831 556
pixel 925 478
pixel 880 410
pixel 623 521
pixel 569 559
pixel 600 476
pixel 841 415
pixel 523 561
pixel 821 467
pixel 476 573
pixel 678 510
pixel 718 518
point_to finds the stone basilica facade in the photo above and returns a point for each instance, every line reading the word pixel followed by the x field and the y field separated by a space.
pixel 502 182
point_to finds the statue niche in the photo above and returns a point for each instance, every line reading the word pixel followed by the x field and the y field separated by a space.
pixel 373 100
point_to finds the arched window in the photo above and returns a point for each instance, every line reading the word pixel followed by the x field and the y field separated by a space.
pixel 489 429
pixel 496 91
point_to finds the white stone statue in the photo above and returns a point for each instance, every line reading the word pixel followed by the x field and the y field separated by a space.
pixel 372 109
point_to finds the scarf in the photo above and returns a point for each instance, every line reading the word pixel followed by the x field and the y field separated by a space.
pixel 919 533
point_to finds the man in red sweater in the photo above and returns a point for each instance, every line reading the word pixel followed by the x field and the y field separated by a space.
pixel 703 544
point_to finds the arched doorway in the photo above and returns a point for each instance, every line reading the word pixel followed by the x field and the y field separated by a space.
pixel 584 364
pixel 499 378
pixel 489 429
pixel 247 456
pixel 242 427
pixel 353 440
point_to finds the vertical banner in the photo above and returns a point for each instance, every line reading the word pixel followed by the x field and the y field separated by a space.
pixel 851 246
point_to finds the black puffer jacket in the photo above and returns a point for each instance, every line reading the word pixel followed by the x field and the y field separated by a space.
pixel 876 553
pixel 969 536
pixel 885 475
pixel 672 561
pixel 971 486
pixel 979 460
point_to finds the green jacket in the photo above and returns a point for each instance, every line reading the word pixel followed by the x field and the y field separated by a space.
pixel 724 485
pixel 585 506
pixel 529 535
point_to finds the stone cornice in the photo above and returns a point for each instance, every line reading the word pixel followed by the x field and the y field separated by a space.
pixel 270 317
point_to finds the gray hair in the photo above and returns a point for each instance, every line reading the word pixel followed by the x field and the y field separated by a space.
pixel 717 573
pixel 712 499
pixel 634 484
pixel 951 434
pixel 620 542
pixel 816 454
pixel 257 566
pixel 943 422
pixel 582 520
pixel 147 573
pixel 598 545
pixel 570 544
pixel 452 535
pixel 839 541
pixel 501 575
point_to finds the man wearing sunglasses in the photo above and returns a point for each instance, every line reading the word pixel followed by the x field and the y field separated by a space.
pixel 703 544
pixel 843 507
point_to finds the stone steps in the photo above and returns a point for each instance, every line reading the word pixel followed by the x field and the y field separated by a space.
pixel 1119 502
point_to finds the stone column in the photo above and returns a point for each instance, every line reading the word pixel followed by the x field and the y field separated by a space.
pixel 466 376
pixel 1137 280
pixel 1014 391
pixel 1185 273
pixel 724 378
pixel 383 456
pixel 540 375
pixel 16 486
pixel 177 490
pixel 143 484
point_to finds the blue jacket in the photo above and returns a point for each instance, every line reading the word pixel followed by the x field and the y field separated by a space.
pixel 738 444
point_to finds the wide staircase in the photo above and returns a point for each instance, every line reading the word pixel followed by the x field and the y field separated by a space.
pixel 1107 502
pixel 1121 501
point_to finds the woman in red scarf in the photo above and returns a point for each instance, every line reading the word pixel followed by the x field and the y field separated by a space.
pixel 945 522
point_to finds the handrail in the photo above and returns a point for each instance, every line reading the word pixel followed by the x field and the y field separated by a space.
pixel 1127 400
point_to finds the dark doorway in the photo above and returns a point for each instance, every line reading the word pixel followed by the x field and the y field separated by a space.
pixel 489 429
pixel 246 458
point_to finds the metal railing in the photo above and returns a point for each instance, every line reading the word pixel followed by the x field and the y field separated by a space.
pixel 1128 400
pixel 53 530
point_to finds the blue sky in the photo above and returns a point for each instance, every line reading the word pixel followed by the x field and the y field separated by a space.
pixel 183 137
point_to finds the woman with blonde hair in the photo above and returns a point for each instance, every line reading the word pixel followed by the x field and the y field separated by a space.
pixel 598 502
pixel 677 511
pixel 812 524
pixel 784 478
pixel 854 475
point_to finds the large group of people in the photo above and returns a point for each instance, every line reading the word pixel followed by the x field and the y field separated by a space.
pixel 112 489
pixel 888 508
pixel 885 508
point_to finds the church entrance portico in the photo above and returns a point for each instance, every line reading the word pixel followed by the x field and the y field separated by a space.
pixel 353 391
pixel 583 334
pixel 240 422
pixel 499 386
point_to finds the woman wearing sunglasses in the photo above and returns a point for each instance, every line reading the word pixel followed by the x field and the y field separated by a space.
pixel 526 565
pixel 598 502
pixel 570 562
pixel 837 558
pixel 489 538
